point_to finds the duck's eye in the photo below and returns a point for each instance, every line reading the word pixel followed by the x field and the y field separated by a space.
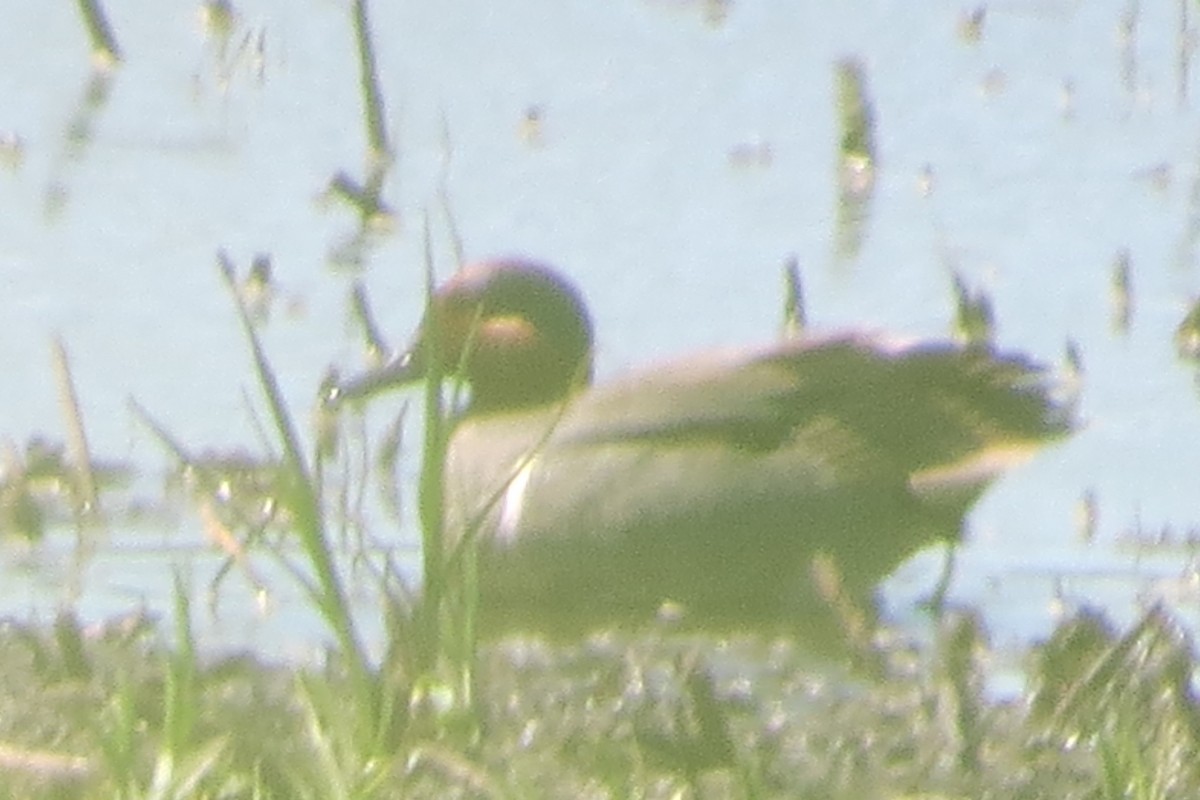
pixel 468 335
pixel 509 363
pixel 508 346
pixel 509 334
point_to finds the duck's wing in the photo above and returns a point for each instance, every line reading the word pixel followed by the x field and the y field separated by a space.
pixel 918 406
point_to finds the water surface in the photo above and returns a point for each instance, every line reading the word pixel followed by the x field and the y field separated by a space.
pixel 682 152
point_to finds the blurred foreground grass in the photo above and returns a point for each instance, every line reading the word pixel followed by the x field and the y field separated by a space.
pixel 116 712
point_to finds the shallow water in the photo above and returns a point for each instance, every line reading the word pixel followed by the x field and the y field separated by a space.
pixel 680 156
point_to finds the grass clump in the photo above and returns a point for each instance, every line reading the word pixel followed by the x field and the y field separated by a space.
pixel 620 715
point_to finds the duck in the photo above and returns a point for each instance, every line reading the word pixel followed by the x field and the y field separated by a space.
pixel 722 485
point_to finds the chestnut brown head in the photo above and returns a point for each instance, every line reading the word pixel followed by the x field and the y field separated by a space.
pixel 514 331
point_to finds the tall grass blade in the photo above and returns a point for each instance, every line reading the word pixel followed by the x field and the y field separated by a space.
pixel 301 495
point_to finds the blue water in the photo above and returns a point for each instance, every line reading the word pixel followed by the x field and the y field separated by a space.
pixel 1026 160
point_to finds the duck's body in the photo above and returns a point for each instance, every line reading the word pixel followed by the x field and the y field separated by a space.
pixel 713 483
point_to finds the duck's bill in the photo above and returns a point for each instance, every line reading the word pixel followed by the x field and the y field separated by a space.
pixel 400 370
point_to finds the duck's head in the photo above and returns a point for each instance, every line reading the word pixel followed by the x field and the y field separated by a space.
pixel 514 331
